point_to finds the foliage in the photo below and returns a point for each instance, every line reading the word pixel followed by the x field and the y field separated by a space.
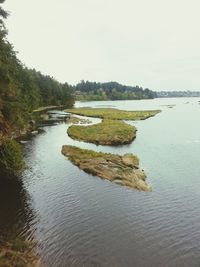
pixel 51 92
pixel 108 132
pixel 110 91
pixel 21 89
pixel 113 114
pixel 11 159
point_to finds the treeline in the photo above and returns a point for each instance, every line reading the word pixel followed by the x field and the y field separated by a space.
pixel 86 90
pixel 21 89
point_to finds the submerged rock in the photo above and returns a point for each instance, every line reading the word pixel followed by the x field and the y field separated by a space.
pixel 77 120
pixel 18 254
pixel 123 170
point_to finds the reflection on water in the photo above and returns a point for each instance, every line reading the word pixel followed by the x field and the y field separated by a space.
pixel 81 220
pixel 16 213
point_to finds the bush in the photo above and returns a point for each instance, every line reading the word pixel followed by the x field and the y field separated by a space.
pixel 11 158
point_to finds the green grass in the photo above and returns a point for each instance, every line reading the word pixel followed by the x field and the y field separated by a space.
pixel 76 154
pixel 79 153
pixel 108 132
pixel 114 114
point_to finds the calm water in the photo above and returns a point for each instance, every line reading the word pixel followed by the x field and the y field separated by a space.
pixel 81 220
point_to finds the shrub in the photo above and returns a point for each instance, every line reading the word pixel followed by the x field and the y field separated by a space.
pixel 11 158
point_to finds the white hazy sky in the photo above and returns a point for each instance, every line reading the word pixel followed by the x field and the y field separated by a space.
pixel 152 43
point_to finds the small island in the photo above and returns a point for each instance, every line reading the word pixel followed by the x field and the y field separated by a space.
pixel 113 114
pixel 112 130
pixel 123 170
pixel 108 132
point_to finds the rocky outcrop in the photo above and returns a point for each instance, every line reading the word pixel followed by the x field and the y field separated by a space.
pixel 123 170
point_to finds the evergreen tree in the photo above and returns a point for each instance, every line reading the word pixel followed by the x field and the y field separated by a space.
pixel 22 90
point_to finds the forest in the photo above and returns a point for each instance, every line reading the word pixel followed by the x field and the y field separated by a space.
pixel 86 90
pixel 22 89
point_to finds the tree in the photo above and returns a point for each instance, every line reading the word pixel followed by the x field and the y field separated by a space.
pixel 110 90
pixel 3 14
pixel 22 90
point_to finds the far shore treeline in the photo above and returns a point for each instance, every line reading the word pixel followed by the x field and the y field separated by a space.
pixel 86 90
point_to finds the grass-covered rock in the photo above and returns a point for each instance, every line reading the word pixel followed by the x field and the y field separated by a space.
pixel 114 114
pixel 108 132
pixel 123 170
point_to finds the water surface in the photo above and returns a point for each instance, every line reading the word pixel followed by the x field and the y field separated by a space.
pixel 81 220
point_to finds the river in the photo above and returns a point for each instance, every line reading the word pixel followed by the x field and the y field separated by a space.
pixel 81 220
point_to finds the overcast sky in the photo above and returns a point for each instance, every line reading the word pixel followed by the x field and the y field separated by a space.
pixel 151 43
